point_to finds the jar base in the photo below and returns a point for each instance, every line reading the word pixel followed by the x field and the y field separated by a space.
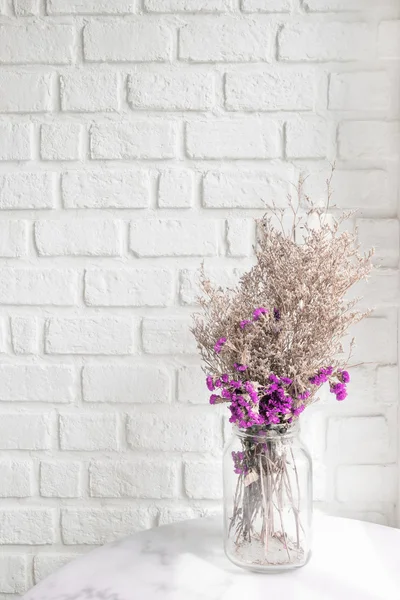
pixel 251 557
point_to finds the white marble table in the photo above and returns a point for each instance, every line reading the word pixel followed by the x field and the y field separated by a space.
pixel 351 561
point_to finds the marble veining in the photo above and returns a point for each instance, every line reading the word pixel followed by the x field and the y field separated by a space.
pixel 185 561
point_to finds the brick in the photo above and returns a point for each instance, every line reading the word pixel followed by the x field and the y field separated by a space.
pixel 337 5
pixel 381 289
pixel 169 515
pixel 105 189
pixel 78 237
pixel 45 564
pixel 173 238
pixel 121 41
pixel 38 287
pixel 88 432
pixel 90 7
pixel 101 525
pixel 359 91
pixel 244 189
pixel 16 477
pixel 25 92
pixel 26 8
pixel 376 341
pixel 240 237
pixel 307 138
pixel 360 440
pixel 323 42
pixel 61 141
pixel 228 40
pixel 171 89
pixel 249 138
pixel 96 335
pixel 175 189
pixel 203 480
pixel 24 335
pixel 36 43
pixel 139 139
pixel 13 574
pixel 261 6
pixel 383 235
pixel 90 91
pixel 388 39
pixel 362 391
pixel 387 384
pixel 270 90
pixel 187 6
pixel 15 142
pixel 192 385
pixel 13 239
pixel 61 479
pixel 128 287
pixel 28 526
pixel 366 483
pixel 189 289
pixel 142 384
pixel 134 479
pixel 168 336
pixel 362 190
pixel 368 140
pixel 22 191
pixel 25 432
pixel 174 429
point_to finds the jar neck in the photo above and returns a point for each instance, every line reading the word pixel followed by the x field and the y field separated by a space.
pixel 281 431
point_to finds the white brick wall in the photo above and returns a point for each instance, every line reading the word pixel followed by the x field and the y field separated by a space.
pixel 138 138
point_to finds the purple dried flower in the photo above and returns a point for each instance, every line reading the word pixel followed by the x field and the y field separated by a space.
pixel 219 344
pixel 244 323
pixel 239 367
pixel 344 376
pixel 304 395
pixel 214 398
pixel 258 312
pixel 277 314
pixel 210 383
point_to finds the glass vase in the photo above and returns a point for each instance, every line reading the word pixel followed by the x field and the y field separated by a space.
pixel 267 499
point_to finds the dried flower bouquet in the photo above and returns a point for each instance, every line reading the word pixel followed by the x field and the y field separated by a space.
pixel 268 346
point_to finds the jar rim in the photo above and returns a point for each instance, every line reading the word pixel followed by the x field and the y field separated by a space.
pixel 281 430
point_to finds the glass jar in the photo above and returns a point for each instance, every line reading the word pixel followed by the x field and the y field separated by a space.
pixel 267 498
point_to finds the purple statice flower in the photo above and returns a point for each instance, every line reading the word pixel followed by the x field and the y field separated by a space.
pixel 298 410
pixel 235 384
pixel 210 383
pixel 214 398
pixel 240 467
pixel 218 383
pixel 219 344
pixel 225 378
pixel 258 312
pixel 243 323
pixel 287 380
pixel 277 314
pixel 226 394
pixel 322 376
pixel 275 403
pixel 339 389
pixel 304 395
pixel 239 367
pixel 344 376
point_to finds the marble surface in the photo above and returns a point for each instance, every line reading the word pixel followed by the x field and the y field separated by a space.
pixel 351 561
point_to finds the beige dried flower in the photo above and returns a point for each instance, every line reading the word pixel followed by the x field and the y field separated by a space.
pixel 301 277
